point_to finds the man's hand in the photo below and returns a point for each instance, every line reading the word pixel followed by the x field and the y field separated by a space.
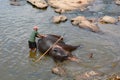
pixel 41 35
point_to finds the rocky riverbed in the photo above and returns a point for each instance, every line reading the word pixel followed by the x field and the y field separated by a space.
pixel 99 57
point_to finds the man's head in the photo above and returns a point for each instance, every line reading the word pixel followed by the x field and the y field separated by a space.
pixel 35 28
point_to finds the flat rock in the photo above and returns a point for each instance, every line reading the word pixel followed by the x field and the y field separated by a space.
pixel 68 5
pixel 58 71
pixel 58 19
pixel 88 75
pixel 85 23
pixel 108 19
pixel 88 25
pixel 59 10
pixel 117 2
pixel 38 3
pixel 77 20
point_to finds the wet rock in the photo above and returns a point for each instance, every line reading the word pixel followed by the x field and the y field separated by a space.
pixel 85 23
pixel 88 25
pixel 68 5
pixel 74 59
pixel 60 11
pixel 58 19
pixel 38 3
pixel 77 20
pixel 108 19
pixel 14 3
pixel 118 18
pixel 93 20
pixel 90 55
pixel 88 75
pixel 59 71
pixel 117 2
pixel 113 77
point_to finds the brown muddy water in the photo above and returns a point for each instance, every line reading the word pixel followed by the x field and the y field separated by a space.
pixel 16 24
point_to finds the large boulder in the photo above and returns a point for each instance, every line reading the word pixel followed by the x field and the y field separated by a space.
pixel 59 71
pixel 88 25
pixel 69 5
pixel 117 2
pixel 77 20
pixel 38 3
pixel 108 19
pixel 58 19
pixel 85 23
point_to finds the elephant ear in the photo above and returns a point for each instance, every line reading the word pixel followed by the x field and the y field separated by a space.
pixel 69 48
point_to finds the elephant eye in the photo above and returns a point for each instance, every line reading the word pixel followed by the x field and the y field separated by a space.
pixel 55 50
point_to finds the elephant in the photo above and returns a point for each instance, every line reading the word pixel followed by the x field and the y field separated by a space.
pixel 59 51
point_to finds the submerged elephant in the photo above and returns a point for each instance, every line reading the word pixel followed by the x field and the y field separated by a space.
pixel 60 51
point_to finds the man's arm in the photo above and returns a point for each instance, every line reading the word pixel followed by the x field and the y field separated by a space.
pixel 41 36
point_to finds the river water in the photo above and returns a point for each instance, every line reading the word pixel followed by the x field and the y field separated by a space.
pixel 16 24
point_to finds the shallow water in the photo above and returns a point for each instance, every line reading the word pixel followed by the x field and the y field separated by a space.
pixel 16 24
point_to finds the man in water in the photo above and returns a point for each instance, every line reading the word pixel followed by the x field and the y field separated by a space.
pixel 31 41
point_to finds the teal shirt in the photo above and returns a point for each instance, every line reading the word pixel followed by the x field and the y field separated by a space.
pixel 33 36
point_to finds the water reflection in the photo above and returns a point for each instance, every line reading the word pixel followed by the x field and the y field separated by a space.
pixel 32 54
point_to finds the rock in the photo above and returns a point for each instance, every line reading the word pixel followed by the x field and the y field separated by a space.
pixel 77 20
pixel 88 25
pixel 74 59
pixel 92 20
pixel 58 19
pixel 113 77
pixel 60 11
pixel 118 18
pixel 38 3
pixel 88 75
pixel 83 22
pixel 14 3
pixel 90 55
pixel 63 18
pixel 108 19
pixel 58 71
pixel 117 2
pixel 69 5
